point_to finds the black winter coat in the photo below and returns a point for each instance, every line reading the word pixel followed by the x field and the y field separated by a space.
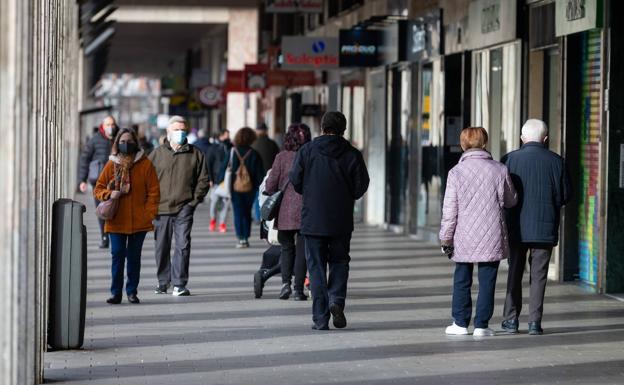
pixel 97 148
pixel 213 154
pixel 541 180
pixel 331 175
pixel 267 149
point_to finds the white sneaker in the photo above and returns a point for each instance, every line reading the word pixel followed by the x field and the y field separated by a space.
pixel 180 291
pixel 455 330
pixel 483 332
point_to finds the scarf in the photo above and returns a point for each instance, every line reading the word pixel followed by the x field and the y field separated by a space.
pixel 121 181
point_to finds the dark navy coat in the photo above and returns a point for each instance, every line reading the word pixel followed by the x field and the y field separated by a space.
pixel 331 175
pixel 541 180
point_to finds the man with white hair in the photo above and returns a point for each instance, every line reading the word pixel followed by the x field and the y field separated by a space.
pixel 184 183
pixel 543 187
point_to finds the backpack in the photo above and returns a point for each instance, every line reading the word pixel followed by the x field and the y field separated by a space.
pixel 242 183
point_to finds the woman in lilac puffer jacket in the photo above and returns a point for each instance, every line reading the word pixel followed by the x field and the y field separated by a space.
pixel 473 228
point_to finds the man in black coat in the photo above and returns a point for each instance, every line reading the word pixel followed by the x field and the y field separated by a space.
pixel 331 175
pixel 543 186
pixel 93 158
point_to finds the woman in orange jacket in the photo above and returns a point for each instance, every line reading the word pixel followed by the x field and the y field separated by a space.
pixel 131 178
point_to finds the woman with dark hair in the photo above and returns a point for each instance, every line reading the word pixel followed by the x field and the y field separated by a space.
pixel 247 173
pixel 288 221
pixel 129 177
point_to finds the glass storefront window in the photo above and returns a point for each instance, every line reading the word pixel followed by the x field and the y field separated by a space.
pixel 496 96
pixel 431 135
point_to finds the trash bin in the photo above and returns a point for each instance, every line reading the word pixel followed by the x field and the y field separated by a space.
pixel 68 276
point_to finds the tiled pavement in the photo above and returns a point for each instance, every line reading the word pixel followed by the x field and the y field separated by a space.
pixel 398 306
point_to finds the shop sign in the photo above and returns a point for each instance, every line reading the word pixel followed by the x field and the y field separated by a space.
pixel 491 22
pixel 314 53
pixel 255 77
pixel 363 48
pixel 283 78
pixel 572 16
pixel 200 77
pixel 311 110
pixel 210 96
pixel 235 81
pixel 294 6
pixel 423 38
pixel 456 36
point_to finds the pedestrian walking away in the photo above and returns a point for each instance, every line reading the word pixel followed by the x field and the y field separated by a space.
pixel 288 221
pixel 268 150
pixel 93 158
pixel 130 178
pixel 543 189
pixel 245 168
pixel 331 175
pixel 216 156
pixel 473 229
pixel 183 178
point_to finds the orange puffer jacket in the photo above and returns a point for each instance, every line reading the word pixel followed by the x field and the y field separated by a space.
pixel 139 207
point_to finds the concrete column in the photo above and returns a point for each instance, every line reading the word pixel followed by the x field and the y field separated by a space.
pixel 242 49
pixel 38 98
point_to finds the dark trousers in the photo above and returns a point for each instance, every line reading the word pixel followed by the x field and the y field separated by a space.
pixel 538 262
pixel 179 227
pixel 100 221
pixel 271 261
pixel 462 299
pixel 321 252
pixel 124 248
pixel 241 205
pixel 293 256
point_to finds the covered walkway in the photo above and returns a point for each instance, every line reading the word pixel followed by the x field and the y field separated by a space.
pixel 398 306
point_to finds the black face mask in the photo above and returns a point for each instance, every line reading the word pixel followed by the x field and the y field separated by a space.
pixel 127 148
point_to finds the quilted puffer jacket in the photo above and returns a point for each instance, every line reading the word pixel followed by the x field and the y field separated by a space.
pixel 473 216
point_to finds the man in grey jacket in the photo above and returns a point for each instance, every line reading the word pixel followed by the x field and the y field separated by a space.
pixel 184 183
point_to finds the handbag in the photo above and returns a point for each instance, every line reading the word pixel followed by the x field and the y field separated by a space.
pixel 223 189
pixel 270 207
pixel 107 210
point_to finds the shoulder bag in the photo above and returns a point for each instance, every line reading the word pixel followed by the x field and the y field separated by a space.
pixel 223 189
pixel 270 207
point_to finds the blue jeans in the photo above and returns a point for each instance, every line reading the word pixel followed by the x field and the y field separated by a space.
pixel 462 300
pixel 126 247
pixel 321 252
pixel 242 204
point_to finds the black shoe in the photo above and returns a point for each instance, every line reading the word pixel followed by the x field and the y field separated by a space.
pixel 340 321
pixel 104 243
pixel 114 300
pixel 319 327
pixel 299 296
pixel 286 291
pixel 259 283
pixel 132 298
pixel 510 326
pixel 161 289
pixel 535 328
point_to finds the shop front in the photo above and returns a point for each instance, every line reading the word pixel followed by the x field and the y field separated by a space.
pixel 579 25
pixel 364 54
pixel 423 122
pixel 496 73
